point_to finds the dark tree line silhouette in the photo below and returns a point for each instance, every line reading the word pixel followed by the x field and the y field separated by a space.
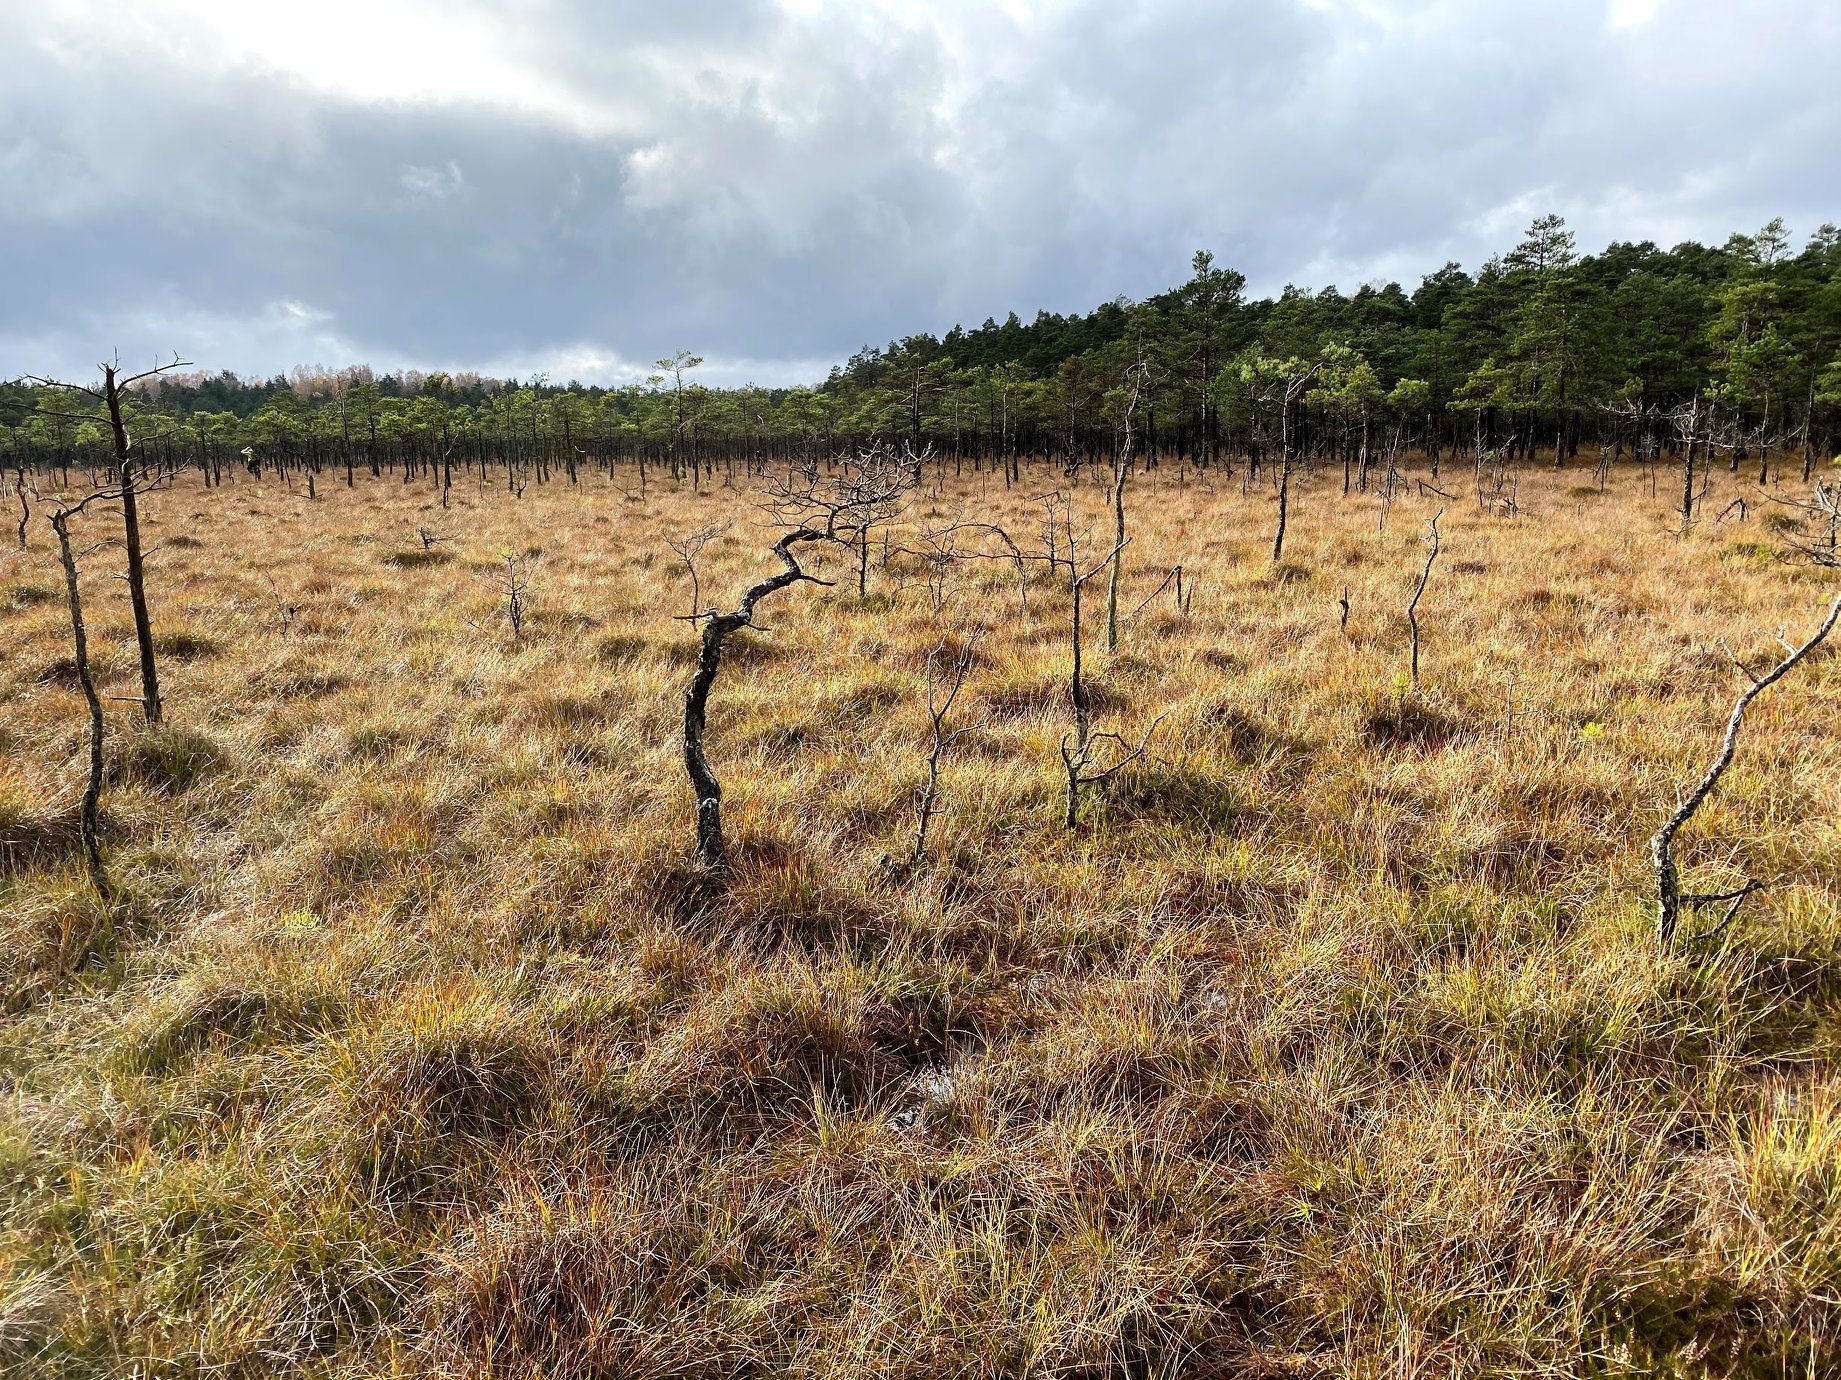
pixel 1540 353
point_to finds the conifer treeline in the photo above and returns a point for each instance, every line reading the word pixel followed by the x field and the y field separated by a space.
pixel 1541 353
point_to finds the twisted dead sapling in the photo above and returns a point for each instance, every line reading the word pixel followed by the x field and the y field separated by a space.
pixel 286 610
pixel 1265 382
pixel 717 628
pixel 1671 900
pixel 941 550
pixel 837 507
pixel 1181 596
pixel 1695 429
pixel 938 554
pixel 876 469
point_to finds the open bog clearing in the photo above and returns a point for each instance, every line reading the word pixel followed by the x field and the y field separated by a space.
pixel 1335 1037
pixel 998 690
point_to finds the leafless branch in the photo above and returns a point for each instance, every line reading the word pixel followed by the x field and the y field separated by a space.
pixel 1671 900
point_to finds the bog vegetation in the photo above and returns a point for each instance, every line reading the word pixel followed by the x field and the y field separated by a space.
pixel 1290 838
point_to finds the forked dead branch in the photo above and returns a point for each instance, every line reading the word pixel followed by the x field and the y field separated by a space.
pixel 1671 900
pixel 688 548
pixel 944 681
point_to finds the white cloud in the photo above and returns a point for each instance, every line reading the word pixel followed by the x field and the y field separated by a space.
pixel 379 52
pixel 1631 14
pixel 433 184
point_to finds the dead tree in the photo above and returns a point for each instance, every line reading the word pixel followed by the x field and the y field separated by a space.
pixel 1687 422
pixel 941 550
pixel 936 555
pixel 938 561
pixel 717 628
pixel 688 549
pixel 513 581
pixel 939 705
pixel 1121 471
pixel 1081 758
pixel 1816 529
pixel 1503 496
pixel 875 462
pixel 1671 900
pixel 1287 458
pixel 1412 607
pixel 25 504
pixel 92 790
pixel 838 508
pixel 1173 577
pixel 447 471
pixel 113 397
pixel 285 612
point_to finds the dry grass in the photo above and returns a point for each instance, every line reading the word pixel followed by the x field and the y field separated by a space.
pixel 1335 1042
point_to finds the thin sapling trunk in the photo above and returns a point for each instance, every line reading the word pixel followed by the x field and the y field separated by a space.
pixel 1412 608
pixel 92 789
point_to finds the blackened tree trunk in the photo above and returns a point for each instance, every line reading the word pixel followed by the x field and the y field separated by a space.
pixel 131 538
pixel 92 790
pixel 716 630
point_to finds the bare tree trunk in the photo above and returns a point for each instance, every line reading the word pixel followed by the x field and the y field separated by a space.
pixel 716 629
pixel 1121 471
pixel 1412 608
pixel 1808 426
pixel 1284 481
pixel 1083 717
pixel 131 536
pixel 1292 389
pixel 1078 747
pixel 92 790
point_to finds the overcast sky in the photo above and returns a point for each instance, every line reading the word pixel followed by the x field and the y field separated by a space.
pixel 580 187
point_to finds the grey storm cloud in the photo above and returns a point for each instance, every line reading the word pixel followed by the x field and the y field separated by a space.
pixel 576 188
